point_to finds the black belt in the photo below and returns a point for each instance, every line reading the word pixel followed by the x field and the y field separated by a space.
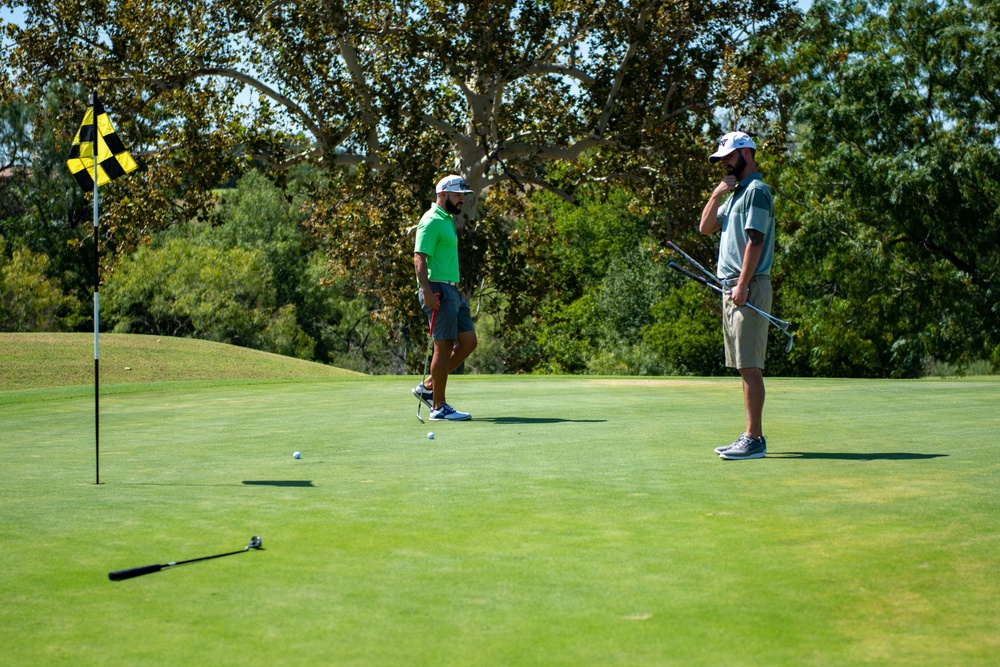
pixel 732 282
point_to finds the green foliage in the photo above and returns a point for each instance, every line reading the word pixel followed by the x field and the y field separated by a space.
pixel 41 207
pixel 891 198
pixel 217 283
pixel 186 289
pixel 29 299
pixel 597 280
pixel 877 123
pixel 388 96
pixel 687 332
pixel 256 279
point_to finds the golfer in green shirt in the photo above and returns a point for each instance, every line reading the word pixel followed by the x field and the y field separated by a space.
pixel 435 258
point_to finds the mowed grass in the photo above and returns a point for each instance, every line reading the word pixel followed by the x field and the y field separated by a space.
pixel 39 360
pixel 575 521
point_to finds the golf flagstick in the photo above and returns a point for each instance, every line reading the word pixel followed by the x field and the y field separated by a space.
pixel 119 575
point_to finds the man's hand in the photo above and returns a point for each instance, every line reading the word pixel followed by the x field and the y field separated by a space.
pixel 709 215
pixel 740 294
pixel 725 185
pixel 431 299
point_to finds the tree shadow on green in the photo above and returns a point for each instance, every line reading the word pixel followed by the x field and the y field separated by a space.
pixel 860 456
pixel 249 482
pixel 279 482
pixel 539 420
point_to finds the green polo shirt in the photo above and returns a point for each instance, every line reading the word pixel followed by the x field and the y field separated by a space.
pixel 437 239
pixel 749 207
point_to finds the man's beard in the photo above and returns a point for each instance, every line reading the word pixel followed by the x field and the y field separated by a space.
pixel 738 168
pixel 454 209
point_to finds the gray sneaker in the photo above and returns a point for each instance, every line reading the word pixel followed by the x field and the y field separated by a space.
pixel 719 450
pixel 745 448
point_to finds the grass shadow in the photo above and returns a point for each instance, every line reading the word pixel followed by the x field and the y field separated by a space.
pixel 249 482
pixel 168 484
pixel 279 482
pixel 539 420
pixel 837 456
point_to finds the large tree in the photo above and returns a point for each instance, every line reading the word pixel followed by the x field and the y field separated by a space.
pixel 378 82
pixel 892 196
pixel 523 93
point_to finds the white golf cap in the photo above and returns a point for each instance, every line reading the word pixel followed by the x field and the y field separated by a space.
pixel 452 184
pixel 732 142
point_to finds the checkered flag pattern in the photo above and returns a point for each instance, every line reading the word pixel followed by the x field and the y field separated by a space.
pixel 112 158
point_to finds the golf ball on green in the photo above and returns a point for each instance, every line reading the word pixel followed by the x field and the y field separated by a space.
pixel 297 455
pixel 430 436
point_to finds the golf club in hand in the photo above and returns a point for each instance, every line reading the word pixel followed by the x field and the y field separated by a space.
pixel 719 286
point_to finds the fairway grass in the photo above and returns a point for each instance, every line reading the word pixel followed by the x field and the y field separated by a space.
pixel 574 521
pixel 36 360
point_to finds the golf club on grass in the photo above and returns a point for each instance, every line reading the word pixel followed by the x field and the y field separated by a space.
pixel 722 288
pixel 427 363
pixel 119 575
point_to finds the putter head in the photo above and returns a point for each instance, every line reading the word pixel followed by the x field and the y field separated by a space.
pixel 255 542
pixel 788 348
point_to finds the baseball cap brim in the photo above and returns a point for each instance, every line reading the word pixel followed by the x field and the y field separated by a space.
pixel 719 154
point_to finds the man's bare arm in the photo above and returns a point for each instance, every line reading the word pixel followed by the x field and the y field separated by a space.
pixel 420 265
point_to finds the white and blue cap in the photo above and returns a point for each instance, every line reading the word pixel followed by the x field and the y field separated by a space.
pixel 452 184
pixel 732 142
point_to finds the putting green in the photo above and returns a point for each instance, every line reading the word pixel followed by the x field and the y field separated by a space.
pixel 574 521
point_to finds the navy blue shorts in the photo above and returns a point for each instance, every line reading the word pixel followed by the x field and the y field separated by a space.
pixel 453 316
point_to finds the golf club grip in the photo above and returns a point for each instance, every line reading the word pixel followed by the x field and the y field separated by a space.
pixel 118 575
pixel 696 278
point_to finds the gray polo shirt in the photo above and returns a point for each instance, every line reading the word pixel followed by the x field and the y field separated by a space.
pixel 750 206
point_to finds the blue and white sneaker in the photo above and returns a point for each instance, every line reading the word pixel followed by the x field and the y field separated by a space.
pixel 446 413
pixel 425 395
pixel 746 448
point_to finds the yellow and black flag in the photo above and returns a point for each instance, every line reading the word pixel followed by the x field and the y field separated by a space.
pixel 98 137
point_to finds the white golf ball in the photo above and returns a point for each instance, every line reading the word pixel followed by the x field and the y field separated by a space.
pixel 430 436
pixel 297 455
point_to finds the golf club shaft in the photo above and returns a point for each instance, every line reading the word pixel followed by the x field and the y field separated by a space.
pixel 695 277
pixel 119 575
pixel 427 362
pixel 691 260
pixel 781 324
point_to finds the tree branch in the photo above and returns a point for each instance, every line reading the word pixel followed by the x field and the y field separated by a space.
pixel 609 105
pixel 562 70
pixel 350 56
pixel 294 108
pixel 571 152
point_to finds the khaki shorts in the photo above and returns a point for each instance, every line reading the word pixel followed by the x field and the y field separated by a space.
pixel 744 331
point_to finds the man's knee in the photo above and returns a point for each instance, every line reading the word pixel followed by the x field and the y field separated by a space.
pixel 468 341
